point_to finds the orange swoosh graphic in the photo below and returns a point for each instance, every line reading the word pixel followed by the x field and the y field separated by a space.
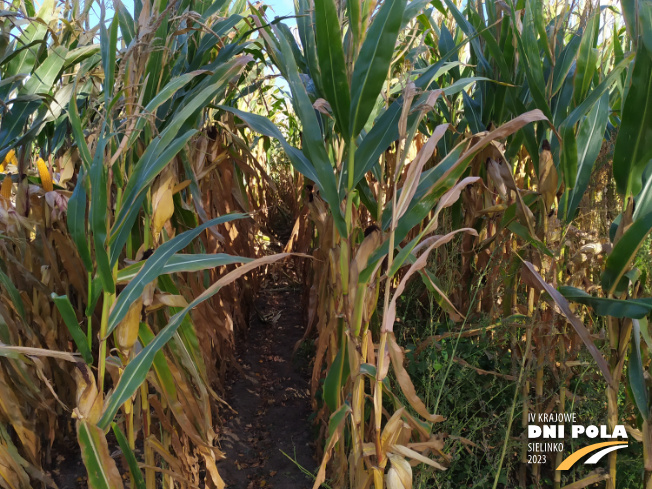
pixel 574 457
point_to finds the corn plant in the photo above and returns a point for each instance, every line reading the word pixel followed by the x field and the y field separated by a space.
pixel 129 185
pixel 625 310
pixel 564 67
pixel 373 216
pixel 93 265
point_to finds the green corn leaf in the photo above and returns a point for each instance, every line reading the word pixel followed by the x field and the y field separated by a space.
pixel 589 142
pixel 136 370
pixel 413 8
pixel 17 51
pixel 160 363
pixel 46 74
pixel 155 63
pixel 497 54
pixel 473 113
pixel 335 423
pixel 355 21
pixel 569 156
pixel 568 162
pixel 129 455
pixel 377 140
pixel 78 133
pixel 184 263
pixel 638 19
pixel 299 58
pixel 645 21
pixel 331 62
pixel 385 128
pixel 102 470
pixel 14 295
pixel 209 40
pixel 372 64
pixel 160 151
pixel 432 185
pixel 587 59
pixel 470 32
pixel 77 221
pixel 335 379
pixel 211 8
pixel 632 152
pixel 32 36
pixel 58 103
pixel 108 48
pixel 155 265
pixel 188 340
pixel 531 62
pixel 70 318
pixel 603 306
pixel 622 255
pixel 522 231
pixel 126 21
pixel 644 199
pixel 509 214
pixel 527 133
pixel 564 63
pixel 539 24
pixel 461 84
pixel 98 213
pixel 119 238
pixel 595 94
pixel 12 81
pixel 447 47
pixel 306 25
pixel 29 99
pixel 267 128
pixel 313 140
pixel 636 374
pixel 161 97
pixel 95 293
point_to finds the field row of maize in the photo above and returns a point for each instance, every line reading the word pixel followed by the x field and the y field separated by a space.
pixel 150 150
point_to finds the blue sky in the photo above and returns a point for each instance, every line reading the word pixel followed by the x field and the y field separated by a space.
pixel 281 7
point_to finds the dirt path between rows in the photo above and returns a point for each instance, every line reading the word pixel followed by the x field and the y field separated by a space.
pixel 272 400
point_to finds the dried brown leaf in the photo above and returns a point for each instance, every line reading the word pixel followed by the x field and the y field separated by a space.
pixel 580 329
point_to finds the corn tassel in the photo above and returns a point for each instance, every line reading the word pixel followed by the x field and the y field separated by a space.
pixel 44 172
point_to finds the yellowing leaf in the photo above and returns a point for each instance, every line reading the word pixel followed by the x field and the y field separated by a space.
pixel 408 452
pixel 162 202
pixel 89 402
pixel 399 476
pixel 548 178
pixel 102 470
pixel 371 242
pixel 403 378
pixel 126 333
pixel 170 300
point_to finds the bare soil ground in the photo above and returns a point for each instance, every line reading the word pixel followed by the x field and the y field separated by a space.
pixel 270 438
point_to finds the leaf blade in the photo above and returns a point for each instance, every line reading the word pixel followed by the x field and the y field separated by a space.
pixel 370 71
